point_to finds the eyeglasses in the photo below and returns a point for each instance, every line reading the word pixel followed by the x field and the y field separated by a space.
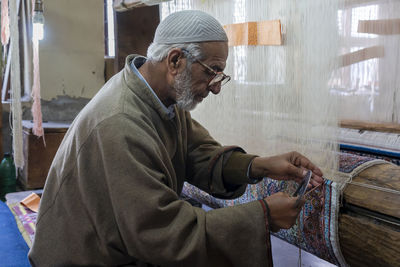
pixel 218 76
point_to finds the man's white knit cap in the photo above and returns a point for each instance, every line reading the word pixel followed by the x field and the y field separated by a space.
pixel 189 26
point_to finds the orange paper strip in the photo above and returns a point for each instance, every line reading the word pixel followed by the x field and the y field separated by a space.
pixel 254 33
pixel 31 202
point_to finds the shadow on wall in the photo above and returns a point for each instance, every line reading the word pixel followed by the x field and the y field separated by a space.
pixel 62 109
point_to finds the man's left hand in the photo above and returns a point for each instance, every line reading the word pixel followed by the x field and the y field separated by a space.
pixel 289 166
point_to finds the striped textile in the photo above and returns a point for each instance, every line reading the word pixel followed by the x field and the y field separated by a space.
pixel 26 221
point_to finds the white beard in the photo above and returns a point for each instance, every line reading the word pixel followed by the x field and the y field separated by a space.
pixel 184 96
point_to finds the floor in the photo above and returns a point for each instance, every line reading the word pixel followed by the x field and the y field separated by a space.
pixel 287 255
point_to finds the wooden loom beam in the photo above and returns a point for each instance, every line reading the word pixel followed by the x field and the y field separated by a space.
pixel 369 228
pixel 370 126
pixel 385 202
pixel 366 243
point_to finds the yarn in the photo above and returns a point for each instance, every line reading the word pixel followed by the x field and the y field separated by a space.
pixel 5 23
pixel 279 98
pixel 36 107
pixel 15 108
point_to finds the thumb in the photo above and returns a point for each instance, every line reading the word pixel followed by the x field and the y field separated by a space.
pixel 299 202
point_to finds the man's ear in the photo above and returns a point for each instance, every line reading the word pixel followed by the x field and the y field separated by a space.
pixel 176 62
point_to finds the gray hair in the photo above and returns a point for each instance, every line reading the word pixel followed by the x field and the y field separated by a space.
pixel 158 52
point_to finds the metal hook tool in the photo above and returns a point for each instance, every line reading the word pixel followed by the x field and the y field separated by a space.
pixel 301 190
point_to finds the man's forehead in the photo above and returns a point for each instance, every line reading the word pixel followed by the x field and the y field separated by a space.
pixel 215 52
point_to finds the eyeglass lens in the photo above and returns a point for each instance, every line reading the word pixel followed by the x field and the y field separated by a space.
pixel 219 78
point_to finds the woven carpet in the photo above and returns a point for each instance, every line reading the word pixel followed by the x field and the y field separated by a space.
pixel 375 153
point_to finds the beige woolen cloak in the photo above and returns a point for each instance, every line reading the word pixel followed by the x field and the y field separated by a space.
pixel 112 193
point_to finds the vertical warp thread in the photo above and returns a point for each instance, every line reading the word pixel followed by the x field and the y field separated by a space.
pixel 299 240
pixel 16 87
pixel 279 98
pixel 279 95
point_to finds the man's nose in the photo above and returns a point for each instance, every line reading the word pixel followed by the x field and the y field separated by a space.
pixel 215 88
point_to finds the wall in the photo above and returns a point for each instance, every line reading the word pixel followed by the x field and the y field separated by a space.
pixel 72 53
pixel 71 60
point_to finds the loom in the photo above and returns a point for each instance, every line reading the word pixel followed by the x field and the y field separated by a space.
pixel 300 70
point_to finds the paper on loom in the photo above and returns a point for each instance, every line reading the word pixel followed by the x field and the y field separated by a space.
pixel 380 26
pixel 123 5
pixel 362 55
pixel 266 32
pixel 31 202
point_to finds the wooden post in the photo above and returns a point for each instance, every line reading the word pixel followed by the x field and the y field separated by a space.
pixel 134 32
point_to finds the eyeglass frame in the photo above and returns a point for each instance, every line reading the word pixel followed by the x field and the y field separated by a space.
pixel 216 74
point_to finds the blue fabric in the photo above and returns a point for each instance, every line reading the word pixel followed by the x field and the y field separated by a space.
pixel 13 248
pixel 371 150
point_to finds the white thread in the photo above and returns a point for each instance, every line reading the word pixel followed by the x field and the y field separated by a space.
pixel 16 86
pixel 378 188
pixel 290 97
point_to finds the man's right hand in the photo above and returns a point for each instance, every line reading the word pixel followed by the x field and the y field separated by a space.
pixel 283 210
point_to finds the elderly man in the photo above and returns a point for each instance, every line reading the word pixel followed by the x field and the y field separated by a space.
pixel 112 193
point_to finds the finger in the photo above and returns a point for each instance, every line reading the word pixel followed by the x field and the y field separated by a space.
pixel 316 182
pixel 312 184
pixel 317 178
pixel 317 171
pixel 306 163
pixel 297 173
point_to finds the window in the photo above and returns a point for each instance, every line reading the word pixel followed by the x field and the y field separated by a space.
pixel 109 28
pixel 359 78
pixel 363 13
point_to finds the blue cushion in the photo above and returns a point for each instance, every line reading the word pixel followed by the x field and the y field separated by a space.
pixel 13 248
